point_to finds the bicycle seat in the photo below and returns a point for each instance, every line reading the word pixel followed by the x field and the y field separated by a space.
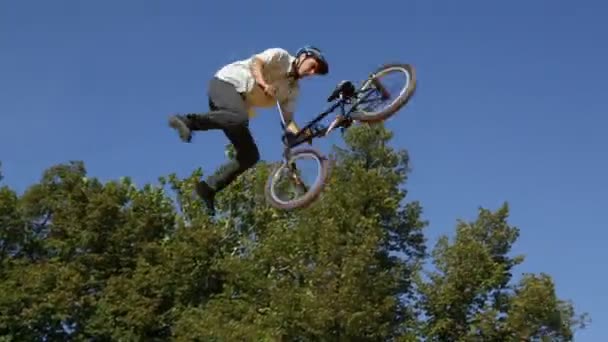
pixel 345 88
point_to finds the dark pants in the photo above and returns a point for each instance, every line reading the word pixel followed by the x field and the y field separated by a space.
pixel 228 113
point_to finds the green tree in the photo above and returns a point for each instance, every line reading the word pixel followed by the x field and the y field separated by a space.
pixel 329 271
pixel 470 295
pixel 86 260
pixel 77 237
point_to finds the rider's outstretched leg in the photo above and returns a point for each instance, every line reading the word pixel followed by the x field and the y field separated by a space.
pixel 182 125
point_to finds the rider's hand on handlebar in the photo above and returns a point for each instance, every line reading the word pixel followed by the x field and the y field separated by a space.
pixel 308 134
pixel 270 90
pixel 290 137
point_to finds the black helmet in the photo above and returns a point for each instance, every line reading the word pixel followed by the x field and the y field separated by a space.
pixel 311 51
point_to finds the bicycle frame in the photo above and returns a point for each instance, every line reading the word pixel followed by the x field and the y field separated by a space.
pixel 321 130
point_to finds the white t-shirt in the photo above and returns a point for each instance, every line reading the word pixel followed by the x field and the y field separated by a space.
pixel 277 65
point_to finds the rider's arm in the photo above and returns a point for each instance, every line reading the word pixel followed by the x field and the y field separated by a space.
pixel 267 57
pixel 288 107
pixel 256 70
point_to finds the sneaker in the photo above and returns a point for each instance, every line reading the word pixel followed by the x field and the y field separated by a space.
pixel 180 123
pixel 207 194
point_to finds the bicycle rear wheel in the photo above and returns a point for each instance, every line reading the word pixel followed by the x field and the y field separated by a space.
pixel 364 110
pixel 277 186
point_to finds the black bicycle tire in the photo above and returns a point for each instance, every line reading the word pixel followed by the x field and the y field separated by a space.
pixel 312 194
pixel 402 100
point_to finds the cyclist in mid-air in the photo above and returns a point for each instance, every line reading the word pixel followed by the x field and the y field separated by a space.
pixel 234 93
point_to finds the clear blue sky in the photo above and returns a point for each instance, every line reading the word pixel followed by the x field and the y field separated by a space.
pixel 511 103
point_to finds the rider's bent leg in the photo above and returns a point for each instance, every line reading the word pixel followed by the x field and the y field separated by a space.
pixel 228 113
pixel 247 155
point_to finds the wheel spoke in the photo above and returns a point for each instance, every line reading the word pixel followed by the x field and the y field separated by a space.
pixel 370 101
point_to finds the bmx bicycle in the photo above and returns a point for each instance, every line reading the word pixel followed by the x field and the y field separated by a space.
pixel 360 101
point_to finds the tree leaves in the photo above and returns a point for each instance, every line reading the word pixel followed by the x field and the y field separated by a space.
pixel 470 295
pixel 86 260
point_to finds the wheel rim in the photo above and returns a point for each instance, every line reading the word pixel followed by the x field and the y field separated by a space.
pixel 365 106
pixel 284 170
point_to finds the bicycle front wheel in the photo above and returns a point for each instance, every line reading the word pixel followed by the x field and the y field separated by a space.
pixel 377 101
pixel 288 188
